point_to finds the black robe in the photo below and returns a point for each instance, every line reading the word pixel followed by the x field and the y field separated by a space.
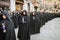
pixel 35 23
pixel 32 23
pixel 15 19
pixel 57 15
pixel 23 32
pixel 43 18
pixel 53 15
pixel 48 17
pixel 2 35
pixel 38 22
pixel 10 33
pixel 41 22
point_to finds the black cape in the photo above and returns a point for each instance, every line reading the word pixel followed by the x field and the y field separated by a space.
pixel 10 33
pixel 32 23
pixel 23 32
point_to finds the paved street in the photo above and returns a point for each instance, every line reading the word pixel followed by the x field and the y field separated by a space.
pixel 49 31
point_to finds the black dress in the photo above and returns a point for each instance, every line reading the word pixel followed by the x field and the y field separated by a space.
pixel 24 23
pixel 38 23
pixel 32 23
pixel 10 33
pixel 15 19
pixel 43 18
pixel 2 35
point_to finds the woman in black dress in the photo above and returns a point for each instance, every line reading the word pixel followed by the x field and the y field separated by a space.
pixel 6 27
pixel 23 21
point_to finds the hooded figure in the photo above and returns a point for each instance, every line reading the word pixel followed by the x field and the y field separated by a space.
pixel 57 15
pixel 38 22
pixel 32 22
pixel 23 21
pixel 6 27
pixel 43 18
pixel 47 17
pixel 15 19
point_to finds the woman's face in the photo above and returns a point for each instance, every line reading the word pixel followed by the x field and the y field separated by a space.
pixel 33 14
pixel 4 17
pixel 24 13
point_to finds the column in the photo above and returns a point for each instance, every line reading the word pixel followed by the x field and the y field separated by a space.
pixel 25 6
pixel 12 5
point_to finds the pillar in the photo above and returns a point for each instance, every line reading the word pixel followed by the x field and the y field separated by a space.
pixel 12 5
pixel 25 6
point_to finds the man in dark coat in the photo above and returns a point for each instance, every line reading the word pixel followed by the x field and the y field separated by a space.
pixel 24 21
pixel 8 27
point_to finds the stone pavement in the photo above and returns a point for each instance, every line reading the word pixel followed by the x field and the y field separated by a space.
pixel 49 31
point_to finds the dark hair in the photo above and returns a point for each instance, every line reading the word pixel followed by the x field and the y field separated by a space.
pixel 25 12
pixel 4 13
